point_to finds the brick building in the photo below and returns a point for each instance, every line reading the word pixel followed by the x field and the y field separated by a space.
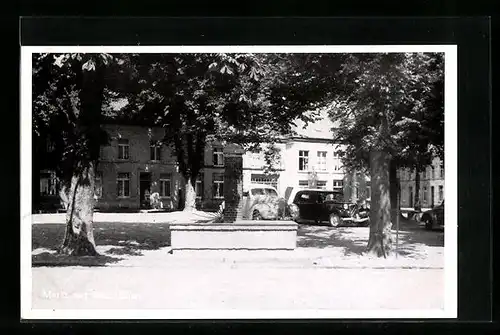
pixel 133 165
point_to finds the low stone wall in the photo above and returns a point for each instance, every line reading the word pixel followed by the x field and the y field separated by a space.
pixel 238 235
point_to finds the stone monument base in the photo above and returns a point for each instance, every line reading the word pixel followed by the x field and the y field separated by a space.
pixel 238 235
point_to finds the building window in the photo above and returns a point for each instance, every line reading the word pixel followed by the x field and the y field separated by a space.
pixel 155 152
pixel 48 183
pixel 356 192
pixel 123 149
pixel 50 146
pixel 303 183
pixel 368 192
pixel 336 154
pixel 321 164
pixel 337 167
pixel 433 172
pixel 255 160
pixel 218 157
pixel 198 187
pixel 338 184
pixel 165 185
pixel 321 183
pixel 441 195
pixel 303 160
pixel 123 185
pixel 218 185
pixel 98 184
pixel 425 194
pixel 441 170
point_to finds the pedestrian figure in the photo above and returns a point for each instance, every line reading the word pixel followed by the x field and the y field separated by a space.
pixel 155 201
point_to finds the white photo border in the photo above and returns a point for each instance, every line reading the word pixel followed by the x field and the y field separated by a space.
pixel 451 163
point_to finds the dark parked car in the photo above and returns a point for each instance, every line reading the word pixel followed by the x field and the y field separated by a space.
pixel 316 205
pixel 434 218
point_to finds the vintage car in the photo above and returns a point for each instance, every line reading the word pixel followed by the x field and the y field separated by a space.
pixel 318 206
pixel 434 218
pixel 262 202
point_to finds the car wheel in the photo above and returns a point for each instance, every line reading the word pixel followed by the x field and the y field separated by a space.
pixel 334 220
pixel 256 215
pixel 428 222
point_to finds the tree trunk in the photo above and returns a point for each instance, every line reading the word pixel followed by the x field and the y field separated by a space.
pixel 190 195
pixel 418 205
pixel 79 236
pixel 394 189
pixel 380 241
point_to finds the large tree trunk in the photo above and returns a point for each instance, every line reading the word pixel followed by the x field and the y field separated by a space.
pixel 380 241
pixel 394 190
pixel 418 205
pixel 190 195
pixel 79 236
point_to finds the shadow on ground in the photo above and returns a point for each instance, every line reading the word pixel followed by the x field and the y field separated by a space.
pixel 54 260
pixel 412 239
pixel 112 239
pixel 320 236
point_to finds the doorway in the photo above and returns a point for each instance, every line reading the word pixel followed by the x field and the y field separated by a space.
pixel 144 188
pixel 432 196
pixel 411 196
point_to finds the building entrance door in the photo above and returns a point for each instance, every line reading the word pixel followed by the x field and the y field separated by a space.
pixel 432 196
pixel 144 188
pixel 411 196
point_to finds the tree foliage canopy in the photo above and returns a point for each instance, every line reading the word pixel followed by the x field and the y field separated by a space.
pixel 390 102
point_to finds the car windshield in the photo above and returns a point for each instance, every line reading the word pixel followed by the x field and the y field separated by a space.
pixel 264 191
pixel 271 192
pixel 258 191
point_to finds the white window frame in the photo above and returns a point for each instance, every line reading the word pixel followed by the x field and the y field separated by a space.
pixel 156 150
pixel 50 181
pixel 321 160
pixel 338 184
pixel 304 159
pixel 123 149
pixel 122 180
pixel 218 156
pixel 321 184
pixel 303 183
pixel 216 184
pixel 165 178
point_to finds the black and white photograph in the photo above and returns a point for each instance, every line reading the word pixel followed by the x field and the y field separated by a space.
pixel 220 182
